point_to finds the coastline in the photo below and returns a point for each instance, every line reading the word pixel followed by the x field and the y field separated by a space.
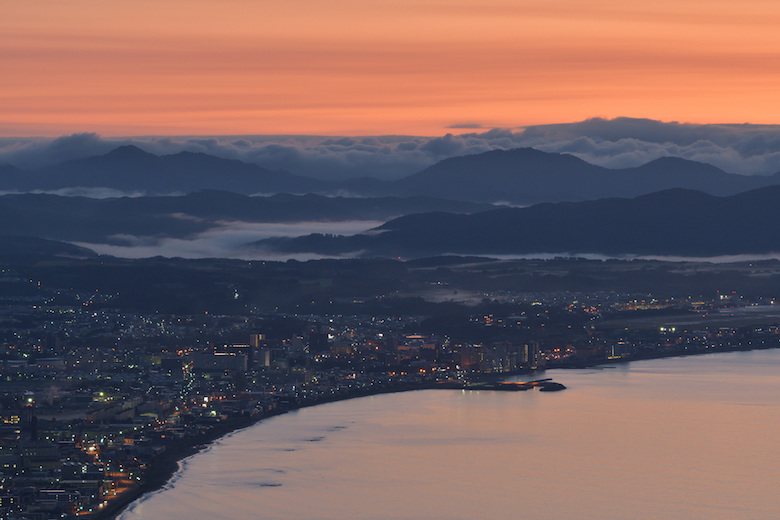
pixel 164 466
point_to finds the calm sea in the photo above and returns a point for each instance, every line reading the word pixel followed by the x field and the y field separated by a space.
pixel 682 438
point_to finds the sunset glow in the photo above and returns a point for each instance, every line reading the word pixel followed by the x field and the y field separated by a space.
pixel 352 67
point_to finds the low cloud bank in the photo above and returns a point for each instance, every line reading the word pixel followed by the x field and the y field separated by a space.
pixel 722 259
pixel 614 143
pixel 90 193
pixel 228 240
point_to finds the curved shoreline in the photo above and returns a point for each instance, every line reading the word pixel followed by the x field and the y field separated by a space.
pixel 164 466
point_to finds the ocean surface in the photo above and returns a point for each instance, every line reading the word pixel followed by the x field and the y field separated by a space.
pixel 678 438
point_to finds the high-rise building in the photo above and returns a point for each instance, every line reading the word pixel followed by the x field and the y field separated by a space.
pixel 257 340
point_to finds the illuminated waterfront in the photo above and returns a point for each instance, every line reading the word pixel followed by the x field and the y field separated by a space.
pixel 683 438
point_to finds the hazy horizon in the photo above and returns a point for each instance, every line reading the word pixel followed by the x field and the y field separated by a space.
pixel 612 143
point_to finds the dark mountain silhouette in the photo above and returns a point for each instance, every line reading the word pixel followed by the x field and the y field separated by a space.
pixel 129 168
pixel 522 176
pixel 519 176
pixel 15 249
pixel 10 175
pixel 673 222
pixel 527 176
pixel 92 220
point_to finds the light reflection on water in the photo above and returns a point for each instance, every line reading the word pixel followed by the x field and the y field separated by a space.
pixel 683 438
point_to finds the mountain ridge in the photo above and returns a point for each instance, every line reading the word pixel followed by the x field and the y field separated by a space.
pixel 677 222
pixel 520 176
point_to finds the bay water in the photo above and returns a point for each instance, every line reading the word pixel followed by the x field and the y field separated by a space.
pixel 677 438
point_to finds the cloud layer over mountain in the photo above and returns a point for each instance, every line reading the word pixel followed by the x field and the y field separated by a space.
pixel 615 143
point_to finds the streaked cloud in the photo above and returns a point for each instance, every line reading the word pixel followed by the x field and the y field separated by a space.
pixel 472 126
pixel 349 67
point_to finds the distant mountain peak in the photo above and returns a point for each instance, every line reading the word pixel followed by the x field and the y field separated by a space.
pixel 678 161
pixel 198 155
pixel 127 150
pixel 670 159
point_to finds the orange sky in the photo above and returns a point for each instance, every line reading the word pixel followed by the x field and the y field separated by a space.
pixel 361 67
